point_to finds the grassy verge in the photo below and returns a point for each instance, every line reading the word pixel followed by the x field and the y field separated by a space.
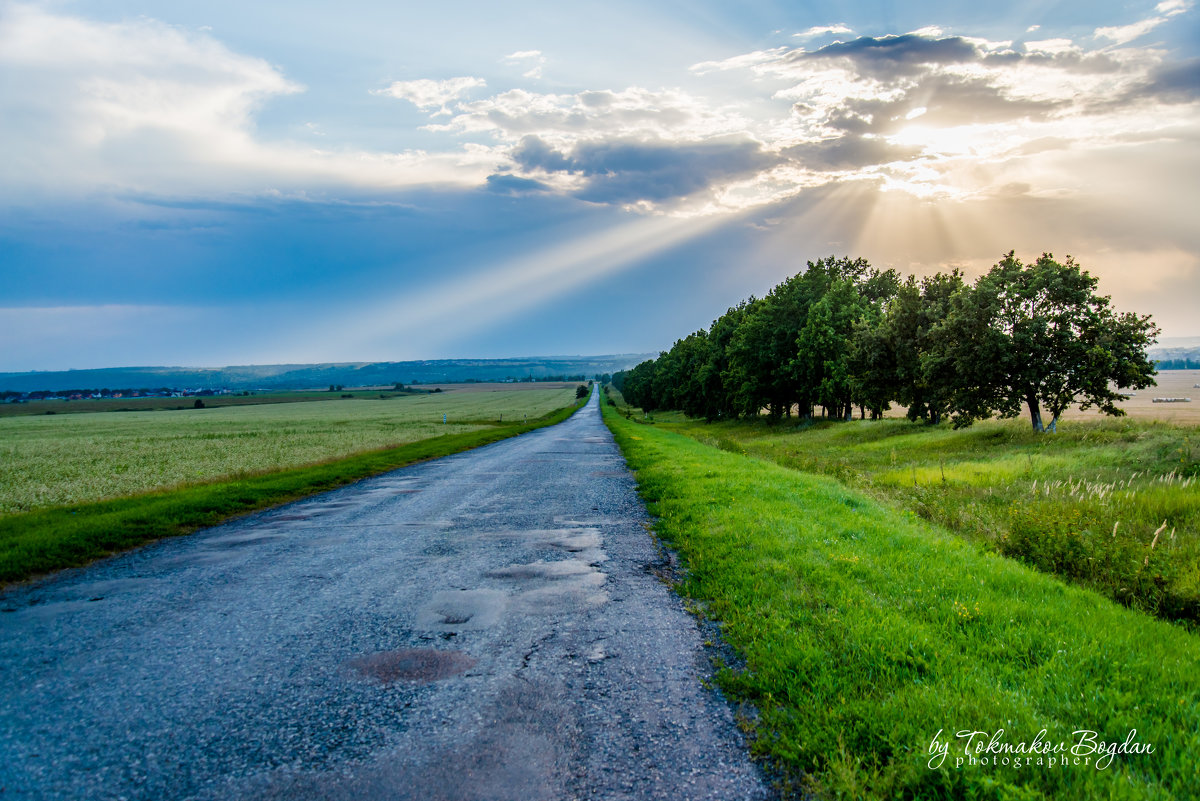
pixel 867 631
pixel 1109 504
pixel 68 536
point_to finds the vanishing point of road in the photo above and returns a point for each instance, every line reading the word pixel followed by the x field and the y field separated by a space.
pixel 490 625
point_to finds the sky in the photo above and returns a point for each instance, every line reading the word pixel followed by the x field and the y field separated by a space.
pixel 214 183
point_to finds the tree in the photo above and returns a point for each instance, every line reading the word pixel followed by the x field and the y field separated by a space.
pixel 581 391
pixel 923 377
pixel 1039 336
pixel 823 346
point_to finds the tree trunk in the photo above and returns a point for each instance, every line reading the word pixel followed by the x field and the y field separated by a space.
pixel 1035 412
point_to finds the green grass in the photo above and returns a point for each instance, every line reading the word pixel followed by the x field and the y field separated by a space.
pixel 50 539
pixel 48 461
pixel 865 631
pixel 1050 500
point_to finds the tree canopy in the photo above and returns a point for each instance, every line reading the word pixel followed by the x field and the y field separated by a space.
pixel 841 334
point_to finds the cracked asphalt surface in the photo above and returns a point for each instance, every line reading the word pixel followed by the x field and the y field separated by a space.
pixel 485 626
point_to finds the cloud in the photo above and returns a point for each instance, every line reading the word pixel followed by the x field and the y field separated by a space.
pixel 507 184
pixel 631 112
pixel 526 58
pixel 144 107
pixel 1051 47
pixel 893 55
pixel 1127 33
pixel 625 172
pixel 426 94
pixel 744 61
pixel 629 171
pixel 1123 34
pixel 94 86
pixel 1172 7
pixel 141 106
pixel 1170 83
pixel 821 30
pixel 849 153
pixel 532 153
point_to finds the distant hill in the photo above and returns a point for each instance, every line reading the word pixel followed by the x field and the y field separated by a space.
pixel 1177 353
pixel 306 376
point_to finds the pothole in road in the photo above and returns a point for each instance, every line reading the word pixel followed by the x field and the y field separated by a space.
pixel 421 665
pixel 461 609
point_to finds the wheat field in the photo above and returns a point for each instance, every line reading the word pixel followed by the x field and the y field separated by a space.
pixel 52 460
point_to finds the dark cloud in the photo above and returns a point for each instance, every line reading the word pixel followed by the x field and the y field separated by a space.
pixel 1069 60
pixel 948 101
pixel 629 171
pixel 849 153
pixel 894 55
pixel 623 171
pixel 534 154
pixel 505 183
pixel 1171 83
pixel 903 56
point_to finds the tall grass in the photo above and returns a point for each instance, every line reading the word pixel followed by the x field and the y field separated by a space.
pixel 865 631
pixel 1085 503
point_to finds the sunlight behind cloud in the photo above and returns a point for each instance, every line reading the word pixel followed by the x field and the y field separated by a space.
pixel 922 144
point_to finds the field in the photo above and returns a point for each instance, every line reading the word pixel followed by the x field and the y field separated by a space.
pixel 53 407
pixel 52 460
pixel 256 398
pixel 1109 504
pixel 1171 384
pixel 864 633
pixel 59 536
pixel 1141 406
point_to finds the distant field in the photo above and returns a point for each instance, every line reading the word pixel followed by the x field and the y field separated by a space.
pixel 52 407
pixel 52 460
pixel 492 386
pixel 1171 384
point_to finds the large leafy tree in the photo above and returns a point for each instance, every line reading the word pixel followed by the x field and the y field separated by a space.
pixel 1039 336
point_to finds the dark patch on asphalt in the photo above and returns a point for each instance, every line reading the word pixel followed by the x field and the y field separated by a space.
pixel 420 665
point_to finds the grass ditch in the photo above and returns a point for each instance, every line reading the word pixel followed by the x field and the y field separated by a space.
pixel 867 631
pixel 41 541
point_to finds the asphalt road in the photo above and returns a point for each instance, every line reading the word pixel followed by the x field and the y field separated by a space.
pixel 486 626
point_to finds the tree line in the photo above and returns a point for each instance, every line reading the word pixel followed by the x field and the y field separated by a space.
pixel 842 335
